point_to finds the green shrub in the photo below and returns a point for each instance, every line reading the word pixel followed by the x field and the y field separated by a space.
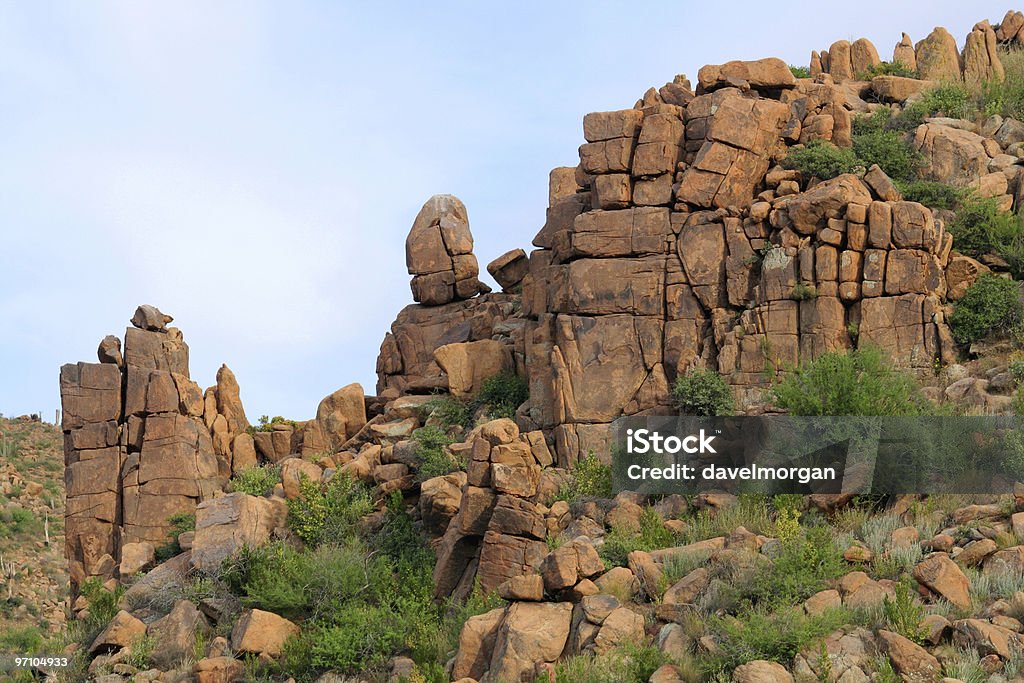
pixel 591 478
pixel 448 411
pixel 18 521
pixel 256 481
pixel 804 292
pixel 896 68
pixel 703 392
pixel 947 99
pixel 859 382
pixel 21 640
pixel 820 159
pixel 502 394
pixel 180 523
pixel 980 227
pixel 1016 368
pixel 875 143
pixel 807 560
pixel 625 664
pixel 799 71
pixel 620 542
pixel 266 424
pixel 774 636
pixel 932 194
pixel 903 614
pixel 328 513
pixel 992 304
pixel 435 459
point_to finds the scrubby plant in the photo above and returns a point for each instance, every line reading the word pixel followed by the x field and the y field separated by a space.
pixel 328 512
pixel 874 142
pixel 590 478
pixel 266 424
pixel 435 459
pixel 703 392
pixel 895 68
pixel 953 100
pixel 858 382
pixel 502 394
pixel 903 614
pixel 820 159
pixel 448 412
pixel 804 292
pixel 629 663
pixel 807 560
pixel 23 640
pixel 932 194
pixel 991 305
pixel 774 636
pixel 180 523
pixel 799 71
pixel 256 481
pixel 620 542
pixel 979 227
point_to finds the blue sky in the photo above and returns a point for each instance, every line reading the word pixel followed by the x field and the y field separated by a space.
pixel 253 168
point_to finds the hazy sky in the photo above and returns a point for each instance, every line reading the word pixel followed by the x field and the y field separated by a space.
pixel 253 168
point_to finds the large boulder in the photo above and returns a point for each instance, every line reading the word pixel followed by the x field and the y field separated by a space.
pixel 227 524
pixel 439 253
pixel 258 632
pixel 339 417
pixel 531 633
pixel 952 155
pixel 468 364
pixel 981 61
pixel 762 74
pixel 938 58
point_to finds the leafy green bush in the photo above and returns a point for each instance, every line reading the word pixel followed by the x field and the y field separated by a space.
pixel 875 143
pixel 591 478
pixel 22 640
pixel 799 71
pixel 860 382
pixel 703 392
pixel 896 68
pixel 620 542
pixel 18 521
pixel 992 304
pixel 180 523
pixel 804 292
pixel 448 411
pixel 330 512
pixel 820 159
pixel 775 636
pixel 435 459
pixel 256 481
pixel 807 560
pixel 266 424
pixel 947 99
pixel 980 227
pixel 903 614
pixel 932 194
pixel 502 394
pixel 626 664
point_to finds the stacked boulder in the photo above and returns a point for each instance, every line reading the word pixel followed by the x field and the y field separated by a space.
pixel 439 253
pixel 136 449
pixel 936 58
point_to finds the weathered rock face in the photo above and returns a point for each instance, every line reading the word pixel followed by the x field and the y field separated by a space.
pixel 980 60
pixel 938 58
pixel 136 448
pixel 952 155
pixel 439 253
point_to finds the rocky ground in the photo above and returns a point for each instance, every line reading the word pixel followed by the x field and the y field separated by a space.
pixel 33 594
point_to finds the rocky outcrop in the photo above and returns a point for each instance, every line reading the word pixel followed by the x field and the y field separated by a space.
pixel 136 448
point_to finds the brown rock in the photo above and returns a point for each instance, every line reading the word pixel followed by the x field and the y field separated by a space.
pixel 260 632
pixel 293 470
pixel 621 626
pixel 938 58
pixel 904 53
pixel 981 63
pixel 122 631
pixel 952 155
pixel 222 669
pixel 135 558
pixel 176 634
pixel 509 269
pixel 761 671
pixel 907 657
pixel 528 587
pixel 150 318
pixel 897 88
pixel 476 645
pixel 227 524
pixel 863 56
pixel 762 74
pixel 531 633
pixel 229 402
pixel 468 364
pixel 943 576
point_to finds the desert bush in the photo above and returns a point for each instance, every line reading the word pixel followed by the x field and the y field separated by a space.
pixel 22 640
pixel 932 194
pixel 804 292
pixel 625 664
pixel 775 636
pixel 799 71
pixel 18 521
pixel 703 392
pixel 180 523
pixel 859 382
pixel 896 68
pixel 448 412
pixel 502 394
pixel 329 512
pixel 653 535
pixel 903 614
pixel 820 159
pixel 590 478
pixel 992 304
pixel 874 142
pixel 256 481
pixel 807 560
pixel 750 511
pixel 979 227
pixel 266 424
pixel 947 99
pixel 434 457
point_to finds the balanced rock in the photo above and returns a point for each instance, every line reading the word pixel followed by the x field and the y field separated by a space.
pixel 439 253
pixel 150 318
